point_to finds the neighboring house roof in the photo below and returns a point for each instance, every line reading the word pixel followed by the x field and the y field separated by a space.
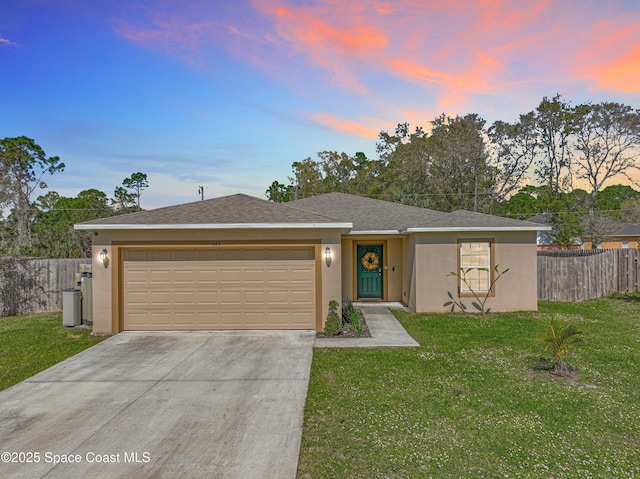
pixel 628 229
pixel 539 218
pixel 234 211
pixel 614 228
pixel 358 214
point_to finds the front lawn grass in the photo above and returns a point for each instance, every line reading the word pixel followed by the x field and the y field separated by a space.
pixel 473 401
pixel 34 342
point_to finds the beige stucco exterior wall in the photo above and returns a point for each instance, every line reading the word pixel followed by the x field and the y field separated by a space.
pixel 393 261
pixel 106 281
pixel 436 255
pixel 409 274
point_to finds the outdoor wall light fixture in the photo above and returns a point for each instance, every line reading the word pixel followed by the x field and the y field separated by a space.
pixel 104 258
pixel 327 256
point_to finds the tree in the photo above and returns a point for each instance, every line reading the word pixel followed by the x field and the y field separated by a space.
pixel 331 172
pixel 566 213
pixel 405 175
pixel 307 178
pixel 554 124
pixel 607 144
pixel 123 201
pixel 461 177
pixel 513 149
pixel 135 184
pixel 524 204
pixel 612 200
pixel 53 233
pixel 279 193
pixel 445 170
pixel 23 163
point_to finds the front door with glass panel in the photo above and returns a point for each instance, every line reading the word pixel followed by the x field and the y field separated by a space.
pixel 369 269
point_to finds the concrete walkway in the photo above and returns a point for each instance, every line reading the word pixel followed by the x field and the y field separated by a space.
pixel 226 404
pixel 386 331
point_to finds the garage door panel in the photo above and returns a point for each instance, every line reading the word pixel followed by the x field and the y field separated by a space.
pixel 159 254
pixel 230 298
pixel 278 276
pixel 207 275
pixel 186 276
pixel 233 276
pixel 160 298
pixel 302 276
pixel 252 275
pixel 207 298
pixel 185 319
pixel 137 276
pixel 302 298
pixel 138 319
pixel 185 255
pixel 178 293
pixel 298 320
pixel 160 276
pixel 255 297
pixel 160 318
pixel 185 298
pixel 140 298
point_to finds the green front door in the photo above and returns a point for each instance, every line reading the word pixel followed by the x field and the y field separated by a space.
pixel 369 271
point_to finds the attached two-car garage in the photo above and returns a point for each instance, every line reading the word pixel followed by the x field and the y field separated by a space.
pixel 209 288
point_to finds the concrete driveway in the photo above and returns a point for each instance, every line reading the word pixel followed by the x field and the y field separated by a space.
pixel 178 404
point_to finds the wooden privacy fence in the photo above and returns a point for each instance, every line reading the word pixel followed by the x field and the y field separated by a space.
pixel 31 285
pixel 590 274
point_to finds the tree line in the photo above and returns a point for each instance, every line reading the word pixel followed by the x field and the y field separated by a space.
pixel 42 226
pixel 557 159
pixel 554 160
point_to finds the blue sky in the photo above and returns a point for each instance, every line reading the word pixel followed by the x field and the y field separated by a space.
pixel 229 94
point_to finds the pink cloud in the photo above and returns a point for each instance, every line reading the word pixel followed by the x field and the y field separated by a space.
pixel 611 61
pixel 365 127
pixel 621 75
pixel 454 50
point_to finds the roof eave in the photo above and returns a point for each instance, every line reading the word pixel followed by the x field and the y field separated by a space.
pixel 213 226
pixel 456 229
pixel 374 232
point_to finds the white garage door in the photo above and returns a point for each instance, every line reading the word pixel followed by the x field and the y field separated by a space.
pixel 217 288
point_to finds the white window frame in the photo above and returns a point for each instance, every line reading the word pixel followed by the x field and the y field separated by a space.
pixel 463 264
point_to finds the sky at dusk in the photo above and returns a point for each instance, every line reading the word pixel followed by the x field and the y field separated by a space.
pixel 228 94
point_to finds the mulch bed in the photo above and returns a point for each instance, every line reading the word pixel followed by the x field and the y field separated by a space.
pixel 348 332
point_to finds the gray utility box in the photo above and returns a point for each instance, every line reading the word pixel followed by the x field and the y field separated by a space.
pixel 86 289
pixel 71 307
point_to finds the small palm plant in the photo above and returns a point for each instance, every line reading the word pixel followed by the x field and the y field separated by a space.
pixel 560 337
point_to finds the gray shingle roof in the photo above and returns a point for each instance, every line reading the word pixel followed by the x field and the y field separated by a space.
pixel 233 209
pixel 375 215
pixel 629 229
pixel 368 214
pixel 469 219
pixel 333 210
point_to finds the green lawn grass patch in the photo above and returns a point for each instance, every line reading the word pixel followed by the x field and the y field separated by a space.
pixel 473 401
pixel 32 343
